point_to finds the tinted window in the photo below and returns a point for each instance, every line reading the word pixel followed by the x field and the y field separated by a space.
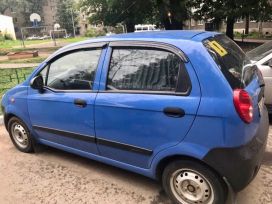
pixel 74 71
pixel 143 69
pixel 231 60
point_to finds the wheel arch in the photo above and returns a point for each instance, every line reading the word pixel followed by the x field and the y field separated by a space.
pixel 7 117
pixel 169 159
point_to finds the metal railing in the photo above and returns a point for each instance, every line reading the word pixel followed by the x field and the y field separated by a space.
pixel 11 77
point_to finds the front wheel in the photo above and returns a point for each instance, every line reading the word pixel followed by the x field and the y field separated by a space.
pixel 189 182
pixel 20 135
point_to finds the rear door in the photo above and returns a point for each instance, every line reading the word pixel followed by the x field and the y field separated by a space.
pixel 147 101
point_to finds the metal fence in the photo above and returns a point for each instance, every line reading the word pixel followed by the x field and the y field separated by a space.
pixel 11 77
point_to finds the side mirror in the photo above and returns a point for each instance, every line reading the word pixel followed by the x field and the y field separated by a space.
pixel 37 83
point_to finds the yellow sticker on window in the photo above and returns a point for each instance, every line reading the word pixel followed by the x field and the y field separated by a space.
pixel 218 48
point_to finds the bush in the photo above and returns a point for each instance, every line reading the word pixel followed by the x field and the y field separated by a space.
pixel 2 38
pixel 95 32
pixel 254 34
pixel 5 36
pixel 8 36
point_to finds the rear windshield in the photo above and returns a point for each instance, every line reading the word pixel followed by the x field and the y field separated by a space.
pixel 231 60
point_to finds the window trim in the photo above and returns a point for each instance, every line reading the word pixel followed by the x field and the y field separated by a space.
pixel 152 46
pixel 58 56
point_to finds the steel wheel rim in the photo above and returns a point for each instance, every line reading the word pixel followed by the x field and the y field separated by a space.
pixel 19 135
pixel 191 187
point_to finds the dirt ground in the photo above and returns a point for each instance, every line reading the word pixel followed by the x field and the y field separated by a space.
pixel 53 176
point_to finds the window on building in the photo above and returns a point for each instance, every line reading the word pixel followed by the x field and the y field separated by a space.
pixel 200 22
pixel 192 22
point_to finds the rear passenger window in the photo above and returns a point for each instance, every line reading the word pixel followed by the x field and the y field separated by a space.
pixel 143 69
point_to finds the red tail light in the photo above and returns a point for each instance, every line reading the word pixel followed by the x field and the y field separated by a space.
pixel 243 105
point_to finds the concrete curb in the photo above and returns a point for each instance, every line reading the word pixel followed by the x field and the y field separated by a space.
pixel 1 120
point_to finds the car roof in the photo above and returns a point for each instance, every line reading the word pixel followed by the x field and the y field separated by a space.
pixel 160 36
pixel 177 34
pixel 171 37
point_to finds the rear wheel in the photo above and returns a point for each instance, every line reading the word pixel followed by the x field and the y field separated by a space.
pixel 189 182
pixel 20 135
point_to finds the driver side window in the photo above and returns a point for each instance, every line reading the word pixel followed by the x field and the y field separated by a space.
pixel 74 71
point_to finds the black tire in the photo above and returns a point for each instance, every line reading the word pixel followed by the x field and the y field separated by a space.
pixel 170 183
pixel 28 148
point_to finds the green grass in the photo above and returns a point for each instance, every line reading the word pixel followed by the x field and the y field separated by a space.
pixel 11 77
pixel 7 46
pixel 23 61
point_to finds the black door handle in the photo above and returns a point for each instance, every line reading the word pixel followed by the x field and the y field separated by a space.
pixel 80 103
pixel 174 112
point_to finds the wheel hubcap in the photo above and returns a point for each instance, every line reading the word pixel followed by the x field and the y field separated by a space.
pixel 19 135
pixel 191 187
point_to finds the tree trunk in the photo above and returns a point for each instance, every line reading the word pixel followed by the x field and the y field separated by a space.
pixel 247 25
pixel 130 27
pixel 230 26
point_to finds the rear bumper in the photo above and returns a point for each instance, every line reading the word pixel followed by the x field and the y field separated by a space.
pixel 240 165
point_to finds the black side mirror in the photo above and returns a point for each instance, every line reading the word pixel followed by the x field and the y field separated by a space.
pixel 37 83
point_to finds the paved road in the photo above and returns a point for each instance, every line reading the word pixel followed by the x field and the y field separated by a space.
pixel 23 65
pixel 53 176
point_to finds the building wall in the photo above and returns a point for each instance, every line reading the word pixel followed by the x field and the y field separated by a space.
pixel 49 12
pixel 6 26
pixel 48 16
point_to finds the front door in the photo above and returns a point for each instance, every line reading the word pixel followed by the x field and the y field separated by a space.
pixel 63 115
pixel 147 102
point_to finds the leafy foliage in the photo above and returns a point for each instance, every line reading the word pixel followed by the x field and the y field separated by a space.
pixel 92 32
pixel 131 12
pixel 65 11
pixel 23 8
pixel 218 10
pixel 111 12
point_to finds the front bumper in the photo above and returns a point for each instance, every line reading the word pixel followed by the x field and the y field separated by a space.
pixel 240 165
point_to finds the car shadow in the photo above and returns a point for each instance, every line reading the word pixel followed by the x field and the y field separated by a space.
pixel 107 171
pixel 270 119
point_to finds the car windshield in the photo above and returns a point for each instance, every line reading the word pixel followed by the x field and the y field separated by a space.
pixel 260 52
pixel 231 60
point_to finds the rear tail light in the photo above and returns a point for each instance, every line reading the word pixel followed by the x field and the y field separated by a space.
pixel 243 105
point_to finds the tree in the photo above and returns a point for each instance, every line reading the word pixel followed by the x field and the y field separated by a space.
pixel 218 10
pixel 67 15
pixel 24 8
pixel 31 6
pixel 112 12
pixel 5 4
pixel 169 13
pixel 173 13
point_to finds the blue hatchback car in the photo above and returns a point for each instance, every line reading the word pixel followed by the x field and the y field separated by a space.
pixel 183 107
